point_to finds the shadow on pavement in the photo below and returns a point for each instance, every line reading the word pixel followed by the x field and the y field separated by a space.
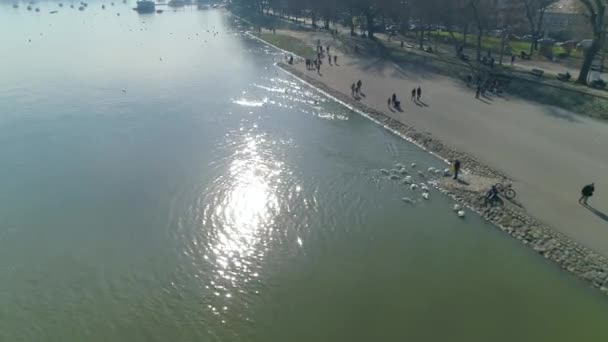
pixel 596 212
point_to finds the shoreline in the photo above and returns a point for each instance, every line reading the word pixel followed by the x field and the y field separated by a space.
pixel 569 255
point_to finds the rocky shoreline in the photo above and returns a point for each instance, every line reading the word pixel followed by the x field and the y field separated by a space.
pixel 509 217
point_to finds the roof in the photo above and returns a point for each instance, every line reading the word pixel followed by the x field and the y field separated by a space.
pixel 565 6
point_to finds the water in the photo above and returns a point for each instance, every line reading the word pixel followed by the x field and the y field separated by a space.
pixel 204 203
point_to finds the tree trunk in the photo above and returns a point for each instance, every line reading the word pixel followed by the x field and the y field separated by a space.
pixel 589 56
pixel 479 36
pixel 465 32
pixel 369 18
pixel 421 37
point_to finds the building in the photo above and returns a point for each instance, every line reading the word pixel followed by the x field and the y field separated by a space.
pixel 565 19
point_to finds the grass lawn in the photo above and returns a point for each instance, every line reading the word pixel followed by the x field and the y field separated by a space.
pixel 288 43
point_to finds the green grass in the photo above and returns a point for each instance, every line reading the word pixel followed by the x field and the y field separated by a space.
pixel 289 43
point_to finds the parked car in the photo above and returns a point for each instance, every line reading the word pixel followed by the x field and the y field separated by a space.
pixel 584 44
pixel 546 41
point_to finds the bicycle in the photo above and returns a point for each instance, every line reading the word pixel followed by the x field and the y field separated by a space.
pixel 506 190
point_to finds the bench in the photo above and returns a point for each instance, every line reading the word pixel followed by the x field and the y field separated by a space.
pixel 537 72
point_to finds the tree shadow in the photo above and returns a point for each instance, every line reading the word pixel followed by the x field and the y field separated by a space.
pixel 596 212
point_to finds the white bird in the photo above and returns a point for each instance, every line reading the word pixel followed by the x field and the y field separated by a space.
pixel 424 187
pixel 446 172
pixel 414 186
pixel 407 200
pixel 457 207
pixel 403 171
pixel 461 213
pixel 425 195
pixel 431 169
pixel 413 164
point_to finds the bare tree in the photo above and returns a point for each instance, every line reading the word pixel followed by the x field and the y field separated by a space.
pixel 535 13
pixel 595 11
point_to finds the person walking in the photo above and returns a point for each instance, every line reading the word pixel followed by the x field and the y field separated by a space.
pixel 512 59
pixel 586 192
pixel 456 168
pixel 389 102
pixel 352 89
pixel 413 94
pixel 418 93
pixel 329 59
pixel 335 59
pixel 478 92
pixel 359 84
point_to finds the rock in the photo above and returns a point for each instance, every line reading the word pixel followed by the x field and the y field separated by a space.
pixel 399 166
pixel 413 165
pixel 457 207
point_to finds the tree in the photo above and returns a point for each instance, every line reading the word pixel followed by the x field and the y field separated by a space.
pixel 595 11
pixel 535 13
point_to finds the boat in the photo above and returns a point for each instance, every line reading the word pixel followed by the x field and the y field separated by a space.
pixel 60 4
pixel 145 6
pixel 71 6
pixel 103 6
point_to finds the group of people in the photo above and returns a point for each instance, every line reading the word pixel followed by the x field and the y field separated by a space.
pixel 416 94
pixel 394 102
pixel 491 84
pixel 316 63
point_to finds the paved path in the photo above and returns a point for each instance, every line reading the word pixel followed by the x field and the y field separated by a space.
pixel 549 152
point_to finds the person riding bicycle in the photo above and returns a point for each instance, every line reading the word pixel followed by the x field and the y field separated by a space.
pixel 492 194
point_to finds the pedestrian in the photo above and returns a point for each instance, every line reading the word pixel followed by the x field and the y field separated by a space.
pixel 402 43
pixel 319 67
pixel 389 102
pixel 352 89
pixel 418 93
pixel 394 98
pixel 512 59
pixel 335 59
pixel 329 59
pixel 328 49
pixel 359 84
pixel 477 92
pixel 413 94
pixel 586 192
pixel 456 168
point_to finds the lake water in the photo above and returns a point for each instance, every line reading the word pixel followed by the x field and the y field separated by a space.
pixel 218 199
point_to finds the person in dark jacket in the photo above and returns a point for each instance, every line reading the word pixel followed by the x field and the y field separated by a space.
pixel 586 192
pixel 456 168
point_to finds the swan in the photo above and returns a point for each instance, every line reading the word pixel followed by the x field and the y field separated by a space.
pixel 461 213
pixel 425 195
pixel 394 177
pixel 414 186
pixel 421 174
pixel 457 207
pixel 431 169
pixel 424 187
pixel 407 200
